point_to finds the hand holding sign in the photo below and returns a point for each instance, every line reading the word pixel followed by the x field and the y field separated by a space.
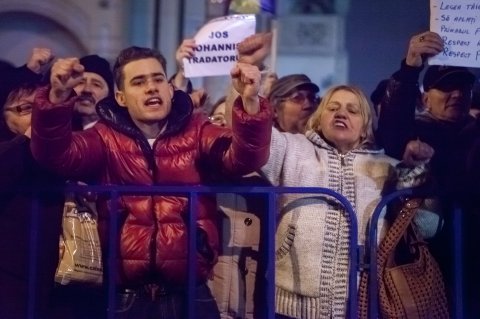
pixel 246 81
pixel 216 45
pixel 422 46
pixel 186 50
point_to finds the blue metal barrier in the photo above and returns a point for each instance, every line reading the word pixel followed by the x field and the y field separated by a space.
pixel 192 193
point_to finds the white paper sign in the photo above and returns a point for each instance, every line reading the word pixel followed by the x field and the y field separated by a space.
pixel 458 23
pixel 216 51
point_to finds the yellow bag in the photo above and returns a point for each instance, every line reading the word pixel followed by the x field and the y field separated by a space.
pixel 80 251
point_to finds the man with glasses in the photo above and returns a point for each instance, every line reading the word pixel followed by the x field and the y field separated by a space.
pixel 445 124
pixel 294 98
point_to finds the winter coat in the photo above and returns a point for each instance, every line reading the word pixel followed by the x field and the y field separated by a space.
pixel 238 282
pixel 398 124
pixel 153 235
pixel 312 248
pixel 31 208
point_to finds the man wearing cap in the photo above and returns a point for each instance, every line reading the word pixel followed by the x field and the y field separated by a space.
pixel 294 98
pixel 445 124
pixel 96 85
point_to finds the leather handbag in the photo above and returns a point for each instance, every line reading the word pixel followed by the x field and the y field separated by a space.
pixel 410 282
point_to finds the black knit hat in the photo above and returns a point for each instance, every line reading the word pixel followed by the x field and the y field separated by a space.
pixel 96 64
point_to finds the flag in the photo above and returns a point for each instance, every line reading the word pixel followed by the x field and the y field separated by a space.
pixel 252 6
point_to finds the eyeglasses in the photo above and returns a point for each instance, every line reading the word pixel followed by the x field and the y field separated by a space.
pixel 302 97
pixel 22 109
pixel 218 119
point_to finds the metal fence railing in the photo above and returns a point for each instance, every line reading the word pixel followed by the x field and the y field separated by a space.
pixel 271 193
pixel 192 193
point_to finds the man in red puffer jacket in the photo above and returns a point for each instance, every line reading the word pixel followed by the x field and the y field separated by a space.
pixel 149 136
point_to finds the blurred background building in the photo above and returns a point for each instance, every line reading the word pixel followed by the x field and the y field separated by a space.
pixel 332 41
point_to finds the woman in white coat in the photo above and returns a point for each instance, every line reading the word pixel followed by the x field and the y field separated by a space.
pixel 337 152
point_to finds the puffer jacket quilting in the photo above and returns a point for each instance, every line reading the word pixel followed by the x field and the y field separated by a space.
pixel 153 236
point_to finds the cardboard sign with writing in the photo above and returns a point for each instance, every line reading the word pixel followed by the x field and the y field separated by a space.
pixel 216 51
pixel 458 23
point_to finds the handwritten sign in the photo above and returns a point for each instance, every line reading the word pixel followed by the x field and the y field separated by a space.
pixel 458 23
pixel 216 51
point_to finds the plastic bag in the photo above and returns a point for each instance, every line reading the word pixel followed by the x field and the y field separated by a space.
pixel 80 251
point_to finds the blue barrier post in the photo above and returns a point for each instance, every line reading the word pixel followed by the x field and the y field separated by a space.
pixel 271 220
pixel 32 258
pixel 192 249
pixel 112 254
pixel 458 262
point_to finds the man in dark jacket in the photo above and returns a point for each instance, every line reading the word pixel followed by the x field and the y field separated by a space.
pixel 30 212
pixel 149 136
pixel 75 300
pixel 445 124
pixel 29 231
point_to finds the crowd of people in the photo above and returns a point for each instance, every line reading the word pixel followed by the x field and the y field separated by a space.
pixel 79 119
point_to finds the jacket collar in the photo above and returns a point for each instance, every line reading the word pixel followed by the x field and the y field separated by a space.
pixel 118 118
pixel 319 140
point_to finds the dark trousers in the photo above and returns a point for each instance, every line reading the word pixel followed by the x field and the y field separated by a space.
pixel 18 302
pixel 78 302
pixel 147 304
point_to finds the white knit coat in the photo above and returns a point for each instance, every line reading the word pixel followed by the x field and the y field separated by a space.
pixel 312 234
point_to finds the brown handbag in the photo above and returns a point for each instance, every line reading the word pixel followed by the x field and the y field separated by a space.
pixel 410 282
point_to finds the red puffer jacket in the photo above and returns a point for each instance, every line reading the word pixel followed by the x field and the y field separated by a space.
pixel 153 236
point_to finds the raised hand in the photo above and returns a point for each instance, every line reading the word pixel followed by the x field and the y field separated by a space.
pixel 65 75
pixel 255 48
pixel 417 152
pixel 422 46
pixel 185 50
pixel 40 60
pixel 246 81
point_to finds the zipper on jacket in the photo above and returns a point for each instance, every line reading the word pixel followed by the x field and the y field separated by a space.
pixel 342 167
pixel 149 155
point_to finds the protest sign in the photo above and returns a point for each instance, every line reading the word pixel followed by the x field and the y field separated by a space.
pixel 458 23
pixel 216 45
